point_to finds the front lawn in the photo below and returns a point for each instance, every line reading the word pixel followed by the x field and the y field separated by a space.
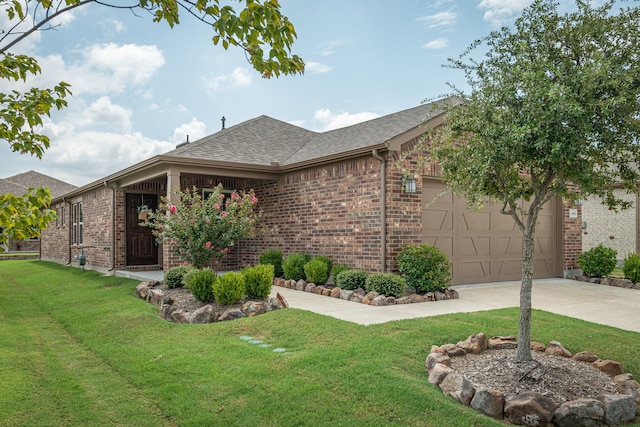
pixel 77 348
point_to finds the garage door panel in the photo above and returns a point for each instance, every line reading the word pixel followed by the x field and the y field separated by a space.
pixel 484 246
pixel 445 244
pixel 476 246
pixel 475 221
pixel 475 271
pixel 438 219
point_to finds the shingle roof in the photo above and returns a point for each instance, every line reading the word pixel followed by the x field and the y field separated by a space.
pixel 18 184
pixel 258 141
pixel 264 140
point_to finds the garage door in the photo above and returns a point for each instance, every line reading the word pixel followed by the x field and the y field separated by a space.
pixel 485 246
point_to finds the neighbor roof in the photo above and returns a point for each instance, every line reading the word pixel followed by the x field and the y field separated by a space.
pixel 18 184
pixel 264 140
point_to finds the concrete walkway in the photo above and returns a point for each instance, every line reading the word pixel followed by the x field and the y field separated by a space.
pixel 606 305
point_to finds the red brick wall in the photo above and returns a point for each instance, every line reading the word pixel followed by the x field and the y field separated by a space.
pixel 331 210
pixel 55 239
pixel 571 236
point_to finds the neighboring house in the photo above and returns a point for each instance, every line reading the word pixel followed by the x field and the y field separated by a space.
pixel 18 185
pixel 617 230
pixel 339 193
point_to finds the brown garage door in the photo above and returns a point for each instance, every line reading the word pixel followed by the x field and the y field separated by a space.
pixel 484 246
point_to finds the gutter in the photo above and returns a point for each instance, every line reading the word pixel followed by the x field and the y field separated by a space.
pixel 383 208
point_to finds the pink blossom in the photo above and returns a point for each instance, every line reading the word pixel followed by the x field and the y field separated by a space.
pixel 207 245
pixel 254 199
pixel 223 214
pixel 225 250
pixel 159 227
pixel 217 206
pixel 173 209
pixel 234 196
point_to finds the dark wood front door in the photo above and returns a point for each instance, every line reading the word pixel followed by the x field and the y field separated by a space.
pixel 141 243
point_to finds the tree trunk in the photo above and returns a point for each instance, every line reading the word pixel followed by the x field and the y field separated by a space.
pixel 524 326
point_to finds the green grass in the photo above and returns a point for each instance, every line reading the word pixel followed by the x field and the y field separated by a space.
pixel 77 348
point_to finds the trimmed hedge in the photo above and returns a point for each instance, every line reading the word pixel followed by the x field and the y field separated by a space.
pixel 229 288
pixel 425 268
pixel 200 283
pixel 631 267
pixel 387 284
pixel 316 271
pixel 598 261
pixel 293 266
pixel 273 257
pixel 351 279
pixel 258 280
pixel 174 278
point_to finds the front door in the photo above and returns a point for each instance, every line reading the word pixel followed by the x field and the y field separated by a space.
pixel 141 243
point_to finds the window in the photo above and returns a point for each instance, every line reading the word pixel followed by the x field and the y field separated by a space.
pixel 60 214
pixel 207 192
pixel 77 223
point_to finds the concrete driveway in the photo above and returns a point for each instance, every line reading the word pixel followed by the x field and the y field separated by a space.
pixel 605 305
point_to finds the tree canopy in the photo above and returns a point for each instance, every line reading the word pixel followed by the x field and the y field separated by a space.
pixel 553 110
pixel 258 28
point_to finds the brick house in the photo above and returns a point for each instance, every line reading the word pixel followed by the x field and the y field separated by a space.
pixel 340 193
pixel 18 185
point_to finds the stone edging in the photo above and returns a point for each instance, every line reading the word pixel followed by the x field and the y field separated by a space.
pixel 206 313
pixel 361 296
pixel 530 408
pixel 607 281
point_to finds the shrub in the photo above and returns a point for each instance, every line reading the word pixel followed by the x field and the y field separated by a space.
pixel 258 280
pixel 200 283
pixel 327 261
pixel 316 271
pixel 598 261
pixel 293 266
pixel 425 268
pixel 387 284
pixel 631 267
pixel 339 268
pixel 229 288
pixel 273 257
pixel 174 278
pixel 351 279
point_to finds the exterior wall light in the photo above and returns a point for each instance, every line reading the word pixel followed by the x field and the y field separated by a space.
pixel 409 185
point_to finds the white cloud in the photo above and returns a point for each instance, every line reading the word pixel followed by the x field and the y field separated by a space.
pixel 316 68
pixel 194 130
pixel 329 120
pixel 101 113
pixel 328 48
pixel 436 44
pixel 113 26
pixel 239 78
pixel 439 20
pixel 500 12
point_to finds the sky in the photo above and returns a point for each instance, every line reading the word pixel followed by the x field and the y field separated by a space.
pixel 139 87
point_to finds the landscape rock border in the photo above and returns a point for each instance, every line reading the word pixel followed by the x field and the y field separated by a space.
pixel 207 313
pixel 361 296
pixel 607 281
pixel 531 408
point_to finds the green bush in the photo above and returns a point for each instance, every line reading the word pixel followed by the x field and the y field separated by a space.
pixel 293 266
pixel 327 261
pixel 200 283
pixel 174 278
pixel 229 288
pixel 598 261
pixel 425 268
pixel 388 284
pixel 631 267
pixel 316 271
pixel 273 257
pixel 351 279
pixel 258 280
pixel 339 268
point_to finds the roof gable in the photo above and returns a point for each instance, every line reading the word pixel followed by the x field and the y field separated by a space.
pixel 22 181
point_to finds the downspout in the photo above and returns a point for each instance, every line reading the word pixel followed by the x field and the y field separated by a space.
pixel 383 207
pixel 113 227
pixel 67 206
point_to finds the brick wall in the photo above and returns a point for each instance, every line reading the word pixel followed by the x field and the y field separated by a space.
pixel 331 210
pixel 55 239
pixel 616 230
pixel 571 236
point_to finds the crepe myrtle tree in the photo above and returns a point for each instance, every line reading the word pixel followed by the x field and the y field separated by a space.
pixel 257 27
pixel 202 230
pixel 553 106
